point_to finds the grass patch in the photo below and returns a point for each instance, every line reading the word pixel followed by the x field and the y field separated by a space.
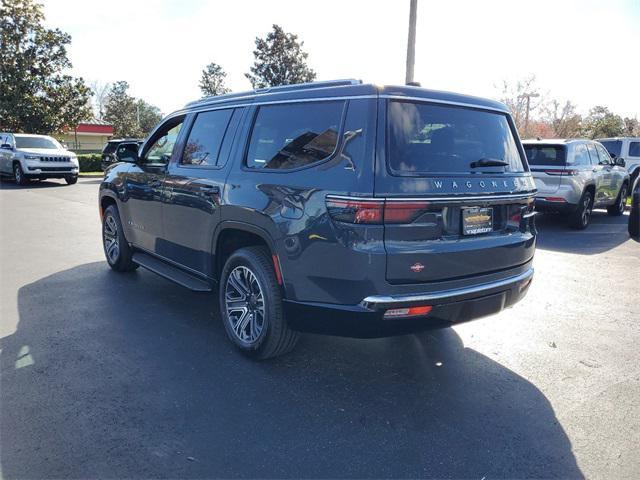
pixel 83 174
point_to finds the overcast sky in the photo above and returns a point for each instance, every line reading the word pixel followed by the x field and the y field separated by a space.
pixel 586 51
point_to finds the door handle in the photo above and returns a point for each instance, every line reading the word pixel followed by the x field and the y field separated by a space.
pixel 210 189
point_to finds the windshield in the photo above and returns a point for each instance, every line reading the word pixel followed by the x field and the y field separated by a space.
pixel 425 138
pixel 545 155
pixel 612 146
pixel 37 142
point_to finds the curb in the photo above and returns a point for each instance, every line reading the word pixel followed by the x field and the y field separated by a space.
pixel 93 175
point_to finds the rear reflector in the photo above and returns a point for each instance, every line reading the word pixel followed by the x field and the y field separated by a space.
pixel 408 312
pixel 555 199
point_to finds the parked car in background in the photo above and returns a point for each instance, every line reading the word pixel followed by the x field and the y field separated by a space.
pixel 36 157
pixel 332 207
pixel 634 215
pixel 627 148
pixel 575 176
pixel 109 150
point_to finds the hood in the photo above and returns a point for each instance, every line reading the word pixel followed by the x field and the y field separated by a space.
pixel 51 152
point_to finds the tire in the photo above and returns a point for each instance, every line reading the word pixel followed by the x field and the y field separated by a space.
pixel 579 219
pixel 251 305
pixel 71 180
pixel 116 249
pixel 617 208
pixel 19 175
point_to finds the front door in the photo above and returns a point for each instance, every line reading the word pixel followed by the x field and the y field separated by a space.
pixel 142 218
pixel 193 187
pixel 601 176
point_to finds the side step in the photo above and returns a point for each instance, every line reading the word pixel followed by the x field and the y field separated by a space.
pixel 170 272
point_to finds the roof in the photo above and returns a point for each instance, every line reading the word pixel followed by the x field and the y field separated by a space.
pixel 618 138
pixel 344 88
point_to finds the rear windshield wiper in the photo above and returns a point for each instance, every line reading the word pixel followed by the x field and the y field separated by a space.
pixel 489 162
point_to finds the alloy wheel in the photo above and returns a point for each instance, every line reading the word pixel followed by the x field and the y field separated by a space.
pixel 244 304
pixel 623 198
pixel 111 242
pixel 586 209
pixel 17 173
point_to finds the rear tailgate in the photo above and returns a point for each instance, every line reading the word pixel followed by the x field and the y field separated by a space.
pixel 443 218
pixel 547 163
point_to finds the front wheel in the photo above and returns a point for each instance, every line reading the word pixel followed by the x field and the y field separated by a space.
pixel 579 219
pixel 617 208
pixel 19 175
pixel 116 249
pixel 251 305
pixel 71 180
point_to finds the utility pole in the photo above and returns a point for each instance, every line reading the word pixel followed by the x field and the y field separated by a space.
pixel 411 41
pixel 528 97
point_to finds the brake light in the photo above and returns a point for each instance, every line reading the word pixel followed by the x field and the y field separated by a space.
pixel 403 212
pixel 408 312
pixel 367 212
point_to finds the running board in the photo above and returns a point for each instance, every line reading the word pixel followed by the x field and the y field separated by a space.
pixel 170 272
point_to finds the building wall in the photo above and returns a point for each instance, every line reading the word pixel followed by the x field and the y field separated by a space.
pixel 87 143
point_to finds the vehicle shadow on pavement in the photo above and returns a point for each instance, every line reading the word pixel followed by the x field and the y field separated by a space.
pixel 603 233
pixel 127 375
pixel 11 185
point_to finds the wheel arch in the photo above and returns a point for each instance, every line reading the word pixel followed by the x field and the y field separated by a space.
pixel 232 235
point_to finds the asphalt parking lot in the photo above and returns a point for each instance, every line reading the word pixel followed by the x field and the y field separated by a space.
pixel 110 375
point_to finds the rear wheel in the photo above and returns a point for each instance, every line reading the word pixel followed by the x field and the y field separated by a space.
pixel 116 249
pixel 579 219
pixel 617 208
pixel 251 305
pixel 19 175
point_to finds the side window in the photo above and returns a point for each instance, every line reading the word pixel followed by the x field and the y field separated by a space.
pixel 159 153
pixel 593 154
pixel 634 149
pixel 294 135
pixel 605 159
pixel 580 155
pixel 205 138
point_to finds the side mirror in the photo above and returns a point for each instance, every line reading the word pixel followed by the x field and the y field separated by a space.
pixel 127 152
pixel 6 146
pixel 619 161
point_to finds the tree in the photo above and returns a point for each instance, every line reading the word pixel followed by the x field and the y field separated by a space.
pixel 522 99
pixel 212 80
pixel 100 91
pixel 148 115
pixel 631 127
pixel 602 123
pixel 121 111
pixel 563 120
pixel 279 60
pixel 35 95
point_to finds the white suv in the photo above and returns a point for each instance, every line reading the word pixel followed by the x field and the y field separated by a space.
pixel 627 148
pixel 25 157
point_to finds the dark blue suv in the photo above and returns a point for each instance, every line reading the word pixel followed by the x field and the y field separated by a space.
pixel 330 207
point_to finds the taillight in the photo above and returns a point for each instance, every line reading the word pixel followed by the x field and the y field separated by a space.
pixel 403 212
pixel 368 212
pixel 555 199
pixel 561 172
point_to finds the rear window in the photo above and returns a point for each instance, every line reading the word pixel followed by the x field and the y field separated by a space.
pixel 554 155
pixel 612 146
pixel 294 135
pixel 426 138
pixel 110 147
pixel 634 149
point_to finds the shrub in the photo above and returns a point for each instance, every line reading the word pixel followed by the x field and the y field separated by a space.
pixel 89 162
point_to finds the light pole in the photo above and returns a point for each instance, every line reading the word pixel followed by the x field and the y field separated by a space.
pixel 528 97
pixel 411 41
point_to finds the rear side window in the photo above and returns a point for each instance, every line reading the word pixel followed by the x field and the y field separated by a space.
pixel 205 138
pixel 426 138
pixel 554 155
pixel 634 149
pixel 581 155
pixel 603 154
pixel 294 135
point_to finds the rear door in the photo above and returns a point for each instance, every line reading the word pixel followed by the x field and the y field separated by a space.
pixel 193 186
pixel 602 175
pixel 457 192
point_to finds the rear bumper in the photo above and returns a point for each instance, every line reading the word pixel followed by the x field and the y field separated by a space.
pixel 366 320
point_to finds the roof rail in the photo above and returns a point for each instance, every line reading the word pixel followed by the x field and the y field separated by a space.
pixel 280 88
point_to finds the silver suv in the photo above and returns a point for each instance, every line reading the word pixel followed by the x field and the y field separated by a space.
pixel 575 176
pixel 36 157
